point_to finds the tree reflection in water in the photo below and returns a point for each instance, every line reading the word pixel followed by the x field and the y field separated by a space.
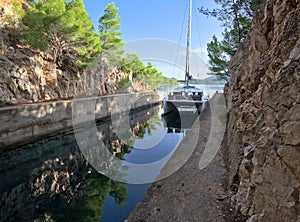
pixel 86 205
pixel 147 127
pixel 50 180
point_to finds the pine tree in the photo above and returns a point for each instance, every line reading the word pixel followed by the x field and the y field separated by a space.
pixel 218 60
pixel 109 29
pixel 64 29
pixel 83 38
pixel 236 16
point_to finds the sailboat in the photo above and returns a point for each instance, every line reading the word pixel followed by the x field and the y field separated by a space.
pixel 187 98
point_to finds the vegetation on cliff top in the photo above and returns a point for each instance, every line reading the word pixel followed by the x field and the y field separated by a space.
pixel 65 30
pixel 147 73
pixel 236 17
pixel 110 34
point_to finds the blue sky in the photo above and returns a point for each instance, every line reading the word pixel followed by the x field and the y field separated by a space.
pixel 160 19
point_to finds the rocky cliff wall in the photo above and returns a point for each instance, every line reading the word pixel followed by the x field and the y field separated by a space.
pixel 264 116
pixel 28 76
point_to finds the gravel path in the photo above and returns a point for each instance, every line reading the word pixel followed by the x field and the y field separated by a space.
pixel 191 194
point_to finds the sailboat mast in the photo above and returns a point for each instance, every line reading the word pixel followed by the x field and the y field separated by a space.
pixel 188 45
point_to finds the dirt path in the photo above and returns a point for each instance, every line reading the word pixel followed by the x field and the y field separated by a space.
pixel 191 194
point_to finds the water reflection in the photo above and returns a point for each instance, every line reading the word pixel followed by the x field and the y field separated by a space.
pixel 180 119
pixel 51 180
pixel 173 132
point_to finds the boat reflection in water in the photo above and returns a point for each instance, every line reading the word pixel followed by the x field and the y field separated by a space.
pixel 180 119
pixel 182 106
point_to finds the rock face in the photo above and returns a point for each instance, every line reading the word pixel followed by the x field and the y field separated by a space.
pixel 264 116
pixel 28 76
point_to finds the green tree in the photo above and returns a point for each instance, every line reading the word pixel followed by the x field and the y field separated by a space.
pixel 151 75
pixel 109 29
pixel 119 192
pixel 236 17
pixel 64 29
pixel 83 37
pixel 132 63
pixel 218 60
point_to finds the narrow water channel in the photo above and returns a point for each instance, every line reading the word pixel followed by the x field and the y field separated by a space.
pixel 51 180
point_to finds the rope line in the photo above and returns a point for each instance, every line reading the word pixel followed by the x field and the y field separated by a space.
pixel 176 58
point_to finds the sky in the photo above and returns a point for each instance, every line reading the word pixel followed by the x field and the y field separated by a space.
pixel 161 19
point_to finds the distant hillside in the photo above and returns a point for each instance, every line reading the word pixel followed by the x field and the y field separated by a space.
pixel 212 80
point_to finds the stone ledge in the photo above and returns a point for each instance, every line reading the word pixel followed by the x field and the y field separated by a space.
pixel 26 123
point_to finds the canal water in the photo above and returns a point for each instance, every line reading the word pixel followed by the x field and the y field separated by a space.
pixel 51 179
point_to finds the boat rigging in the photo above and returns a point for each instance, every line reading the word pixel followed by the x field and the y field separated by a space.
pixel 187 95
